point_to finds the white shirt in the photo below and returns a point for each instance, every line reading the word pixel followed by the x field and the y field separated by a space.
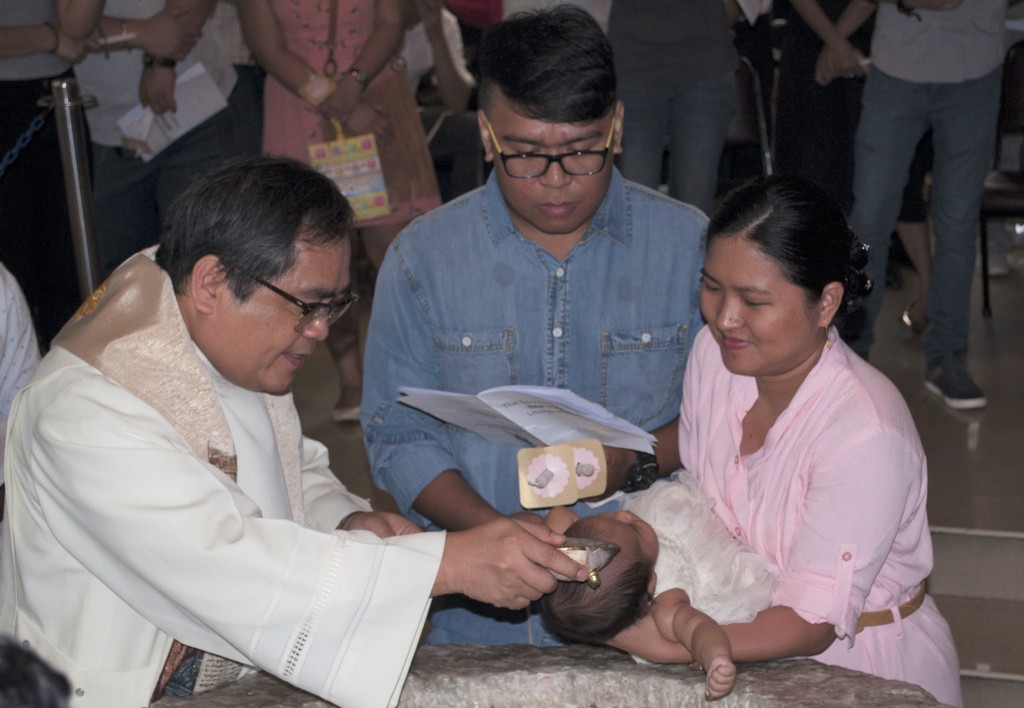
pixel 19 351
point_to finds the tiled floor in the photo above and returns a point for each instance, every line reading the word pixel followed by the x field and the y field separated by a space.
pixel 976 459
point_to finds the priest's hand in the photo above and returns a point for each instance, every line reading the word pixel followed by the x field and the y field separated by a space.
pixel 504 563
pixel 382 523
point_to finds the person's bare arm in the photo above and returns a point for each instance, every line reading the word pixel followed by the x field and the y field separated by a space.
pixel 678 620
pixel 503 563
pixel 451 503
pixel 382 44
pixel 22 40
pixel 838 57
pixel 775 633
pixel 778 633
pixel 265 39
pixel 451 85
pixel 170 33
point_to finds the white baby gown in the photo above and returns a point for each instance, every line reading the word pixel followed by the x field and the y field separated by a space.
pixel 722 576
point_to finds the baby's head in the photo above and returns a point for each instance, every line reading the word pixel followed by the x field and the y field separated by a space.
pixel 579 613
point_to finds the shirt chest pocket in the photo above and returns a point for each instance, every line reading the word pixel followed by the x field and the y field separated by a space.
pixel 475 360
pixel 642 371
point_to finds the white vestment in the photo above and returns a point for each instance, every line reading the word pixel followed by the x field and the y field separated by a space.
pixel 118 538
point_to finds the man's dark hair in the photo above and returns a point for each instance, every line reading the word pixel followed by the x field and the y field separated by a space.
pixel 553 64
pixel 577 612
pixel 251 213
pixel 26 681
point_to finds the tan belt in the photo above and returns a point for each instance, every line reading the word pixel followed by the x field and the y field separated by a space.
pixel 880 617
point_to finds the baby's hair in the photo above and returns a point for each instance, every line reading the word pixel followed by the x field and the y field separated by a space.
pixel 578 613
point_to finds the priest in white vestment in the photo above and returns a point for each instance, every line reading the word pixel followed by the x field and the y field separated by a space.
pixel 169 528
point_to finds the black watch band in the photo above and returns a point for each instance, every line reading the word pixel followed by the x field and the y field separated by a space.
pixel 642 473
pixel 908 11
pixel 151 62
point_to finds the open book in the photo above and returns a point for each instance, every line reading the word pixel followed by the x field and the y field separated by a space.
pixel 529 415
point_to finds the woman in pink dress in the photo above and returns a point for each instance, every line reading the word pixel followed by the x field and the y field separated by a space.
pixel 810 455
pixel 323 57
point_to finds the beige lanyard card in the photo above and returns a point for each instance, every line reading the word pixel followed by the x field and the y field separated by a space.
pixel 559 475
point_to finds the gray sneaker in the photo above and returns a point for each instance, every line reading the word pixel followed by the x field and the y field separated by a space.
pixel 947 377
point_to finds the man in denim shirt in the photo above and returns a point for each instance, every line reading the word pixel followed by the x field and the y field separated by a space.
pixel 557 272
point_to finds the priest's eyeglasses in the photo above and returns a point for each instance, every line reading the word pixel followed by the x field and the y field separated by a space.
pixel 528 165
pixel 314 312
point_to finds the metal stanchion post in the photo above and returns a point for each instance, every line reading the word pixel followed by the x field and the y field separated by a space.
pixel 68 110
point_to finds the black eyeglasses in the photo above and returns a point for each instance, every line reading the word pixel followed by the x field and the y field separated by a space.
pixel 314 312
pixel 528 165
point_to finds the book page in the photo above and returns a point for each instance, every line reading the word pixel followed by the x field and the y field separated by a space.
pixel 529 415
pixel 557 415
pixel 467 411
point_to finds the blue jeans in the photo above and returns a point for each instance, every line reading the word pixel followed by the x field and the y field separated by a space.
pixel 693 119
pixel 131 197
pixel 894 116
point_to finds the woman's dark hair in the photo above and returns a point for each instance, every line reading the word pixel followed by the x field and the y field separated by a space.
pixel 553 64
pixel 251 213
pixel 577 612
pixel 796 224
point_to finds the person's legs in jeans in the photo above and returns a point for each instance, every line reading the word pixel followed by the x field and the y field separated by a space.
pixel 892 121
pixel 644 133
pixel 963 116
pixel 700 116
pixel 124 205
pixel 198 152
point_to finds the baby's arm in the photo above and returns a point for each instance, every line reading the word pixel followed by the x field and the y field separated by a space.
pixel 676 619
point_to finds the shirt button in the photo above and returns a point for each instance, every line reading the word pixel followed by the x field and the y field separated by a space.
pixel 645 337
pixel 736 460
pixel 738 532
pixel 560 273
pixel 79 692
pixel 467 340
pixel 557 331
pixel 847 556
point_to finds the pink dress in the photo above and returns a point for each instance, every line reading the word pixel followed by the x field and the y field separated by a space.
pixel 834 501
pixel 290 125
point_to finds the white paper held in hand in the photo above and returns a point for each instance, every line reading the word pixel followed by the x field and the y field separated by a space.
pixel 197 97
pixel 529 415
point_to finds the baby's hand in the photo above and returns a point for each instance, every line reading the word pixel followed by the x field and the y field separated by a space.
pixel 721 676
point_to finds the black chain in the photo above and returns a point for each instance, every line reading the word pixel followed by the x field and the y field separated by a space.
pixel 23 140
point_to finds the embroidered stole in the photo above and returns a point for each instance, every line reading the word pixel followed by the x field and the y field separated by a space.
pixel 131 330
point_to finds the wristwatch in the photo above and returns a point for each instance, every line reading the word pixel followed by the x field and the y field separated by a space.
pixel 642 473
pixel 150 62
pixel 359 76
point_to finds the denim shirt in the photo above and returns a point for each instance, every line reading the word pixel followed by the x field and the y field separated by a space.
pixel 464 302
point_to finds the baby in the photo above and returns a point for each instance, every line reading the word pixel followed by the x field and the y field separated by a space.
pixel 674 549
